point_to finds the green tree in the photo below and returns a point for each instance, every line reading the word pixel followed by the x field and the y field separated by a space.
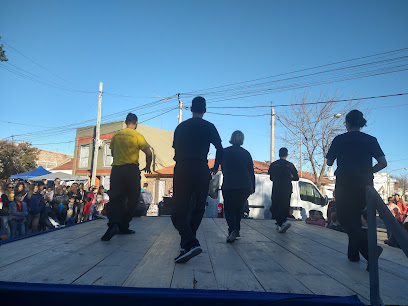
pixel 3 57
pixel 16 158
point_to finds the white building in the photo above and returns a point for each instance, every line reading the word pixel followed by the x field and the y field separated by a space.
pixel 383 183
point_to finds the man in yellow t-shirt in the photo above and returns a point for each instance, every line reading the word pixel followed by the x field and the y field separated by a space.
pixel 125 177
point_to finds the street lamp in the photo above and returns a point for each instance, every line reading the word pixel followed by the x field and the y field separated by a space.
pixel 388 178
pixel 338 115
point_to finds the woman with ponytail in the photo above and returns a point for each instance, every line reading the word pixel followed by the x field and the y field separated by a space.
pixel 354 152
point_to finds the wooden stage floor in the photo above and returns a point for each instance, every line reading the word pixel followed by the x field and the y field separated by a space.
pixel 306 259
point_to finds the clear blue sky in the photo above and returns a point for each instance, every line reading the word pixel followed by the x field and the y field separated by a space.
pixel 144 48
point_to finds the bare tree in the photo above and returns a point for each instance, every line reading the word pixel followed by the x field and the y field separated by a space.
pixel 402 182
pixel 3 57
pixel 311 124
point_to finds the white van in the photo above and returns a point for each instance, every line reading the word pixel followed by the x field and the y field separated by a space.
pixel 305 197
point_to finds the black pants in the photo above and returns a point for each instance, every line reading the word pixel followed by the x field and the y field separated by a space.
pixel 350 203
pixel 280 203
pixel 190 186
pixel 124 195
pixel 234 201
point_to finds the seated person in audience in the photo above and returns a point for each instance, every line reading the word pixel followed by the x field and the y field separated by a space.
pixel 70 212
pixel 334 224
pixel 317 219
pixel 311 213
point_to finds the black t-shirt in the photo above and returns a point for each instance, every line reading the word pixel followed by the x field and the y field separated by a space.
pixel 354 152
pixel 192 140
pixel 282 173
pixel 237 168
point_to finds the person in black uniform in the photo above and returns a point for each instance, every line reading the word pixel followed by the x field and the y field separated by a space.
pixel 238 183
pixel 354 151
pixel 192 176
pixel 282 173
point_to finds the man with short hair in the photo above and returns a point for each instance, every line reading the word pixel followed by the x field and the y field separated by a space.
pixel 125 177
pixel 192 139
pixel 146 195
pixel 282 173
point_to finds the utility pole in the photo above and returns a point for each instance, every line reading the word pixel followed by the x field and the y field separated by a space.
pixel 98 133
pixel 301 159
pixel 180 115
pixel 272 134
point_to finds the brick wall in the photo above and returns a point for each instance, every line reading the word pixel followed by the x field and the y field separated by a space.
pixel 50 159
pixel 154 186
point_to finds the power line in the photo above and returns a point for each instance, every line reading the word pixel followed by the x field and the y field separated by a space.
pixel 282 89
pixel 127 96
pixel 24 124
pixel 236 115
pixel 300 70
pixel 74 126
pixel 51 143
pixel 32 77
pixel 264 91
pixel 33 61
pixel 319 102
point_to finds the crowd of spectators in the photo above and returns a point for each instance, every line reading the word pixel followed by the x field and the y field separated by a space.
pixel 30 207
pixel 395 204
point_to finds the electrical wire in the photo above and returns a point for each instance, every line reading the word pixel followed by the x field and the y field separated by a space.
pixel 36 79
pixel 300 70
pixel 33 61
pixel 319 102
pixel 305 85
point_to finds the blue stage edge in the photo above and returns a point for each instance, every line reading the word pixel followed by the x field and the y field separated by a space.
pixel 47 294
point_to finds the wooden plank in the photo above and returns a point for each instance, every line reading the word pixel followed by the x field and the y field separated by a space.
pixel 155 270
pixel 22 270
pixel 391 254
pixel 115 268
pixel 18 250
pixel 256 250
pixel 334 264
pixel 319 234
pixel 65 259
pixel 231 272
pixel 198 273
pixel 75 264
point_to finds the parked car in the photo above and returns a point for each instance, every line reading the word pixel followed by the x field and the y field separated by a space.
pixel 305 197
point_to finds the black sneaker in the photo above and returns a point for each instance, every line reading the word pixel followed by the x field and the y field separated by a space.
pixel 238 236
pixel 186 255
pixel 231 238
pixel 126 232
pixel 110 232
pixel 182 251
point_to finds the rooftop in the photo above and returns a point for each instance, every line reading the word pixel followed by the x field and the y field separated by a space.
pixel 259 168
pixel 68 165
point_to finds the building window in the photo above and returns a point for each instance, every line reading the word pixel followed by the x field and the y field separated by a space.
pixel 106 182
pixel 108 159
pixel 83 156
